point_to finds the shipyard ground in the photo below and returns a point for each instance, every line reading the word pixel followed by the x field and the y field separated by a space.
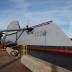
pixel 11 64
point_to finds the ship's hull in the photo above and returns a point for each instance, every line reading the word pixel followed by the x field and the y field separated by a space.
pixel 51 49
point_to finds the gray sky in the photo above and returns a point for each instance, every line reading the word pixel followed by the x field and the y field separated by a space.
pixel 33 12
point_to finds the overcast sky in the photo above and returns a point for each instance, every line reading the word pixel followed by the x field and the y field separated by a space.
pixel 37 11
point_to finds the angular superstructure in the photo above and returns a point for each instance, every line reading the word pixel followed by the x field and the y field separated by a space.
pixel 45 34
pixel 46 37
pixel 11 36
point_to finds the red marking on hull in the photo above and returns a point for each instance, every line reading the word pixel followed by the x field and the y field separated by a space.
pixel 52 51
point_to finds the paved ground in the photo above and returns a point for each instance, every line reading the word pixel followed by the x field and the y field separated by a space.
pixel 11 64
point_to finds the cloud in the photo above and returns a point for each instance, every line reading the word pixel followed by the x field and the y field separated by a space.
pixel 20 4
pixel 68 5
pixel 20 11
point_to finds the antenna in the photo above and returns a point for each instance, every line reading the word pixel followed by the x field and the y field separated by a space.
pixel 27 24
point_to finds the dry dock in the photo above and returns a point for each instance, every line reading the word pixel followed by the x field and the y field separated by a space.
pixel 28 63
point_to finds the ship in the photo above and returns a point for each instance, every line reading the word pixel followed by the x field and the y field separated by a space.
pixel 44 37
